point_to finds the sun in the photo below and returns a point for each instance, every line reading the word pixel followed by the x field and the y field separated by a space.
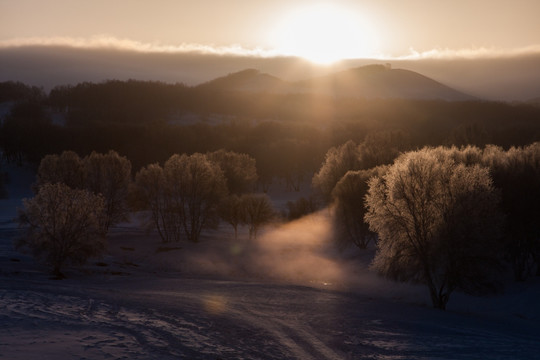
pixel 324 34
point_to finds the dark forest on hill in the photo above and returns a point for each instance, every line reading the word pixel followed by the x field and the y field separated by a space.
pixel 149 121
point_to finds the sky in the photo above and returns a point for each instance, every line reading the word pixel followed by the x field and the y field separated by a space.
pixel 486 48
pixel 322 31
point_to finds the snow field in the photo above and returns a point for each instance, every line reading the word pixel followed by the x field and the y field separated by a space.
pixel 288 295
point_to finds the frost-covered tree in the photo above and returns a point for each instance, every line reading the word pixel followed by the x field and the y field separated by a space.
pixel 301 207
pixel 67 168
pixel 379 148
pixel 231 211
pixel 516 173
pixel 62 225
pixel 239 170
pixel 182 197
pixel 382 147
pixel 258 211
pixel 349 211
pixel 106 174
pixel 149 192
pixel 337 162
pixel 438 223
pixel 195 186
pixel 109 175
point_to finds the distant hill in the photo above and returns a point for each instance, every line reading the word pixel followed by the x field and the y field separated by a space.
pixel 248 80
pixel 381 81
pixel 371 81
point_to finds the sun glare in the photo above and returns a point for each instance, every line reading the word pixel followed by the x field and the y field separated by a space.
pixel 324 34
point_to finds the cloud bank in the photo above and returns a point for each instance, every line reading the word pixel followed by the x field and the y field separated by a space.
pixel 109 42
pixel 468 53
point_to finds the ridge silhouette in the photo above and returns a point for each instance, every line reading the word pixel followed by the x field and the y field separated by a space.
pixel 375 81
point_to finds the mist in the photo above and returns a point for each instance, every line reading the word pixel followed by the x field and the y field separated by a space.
pixel 299 252
pixel 302 252
pixel 491 77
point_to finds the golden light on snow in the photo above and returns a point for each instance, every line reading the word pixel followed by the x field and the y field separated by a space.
pixel 324 33
pixel 215 304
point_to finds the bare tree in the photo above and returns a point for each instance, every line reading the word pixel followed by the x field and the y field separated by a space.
pixel 437 222
pixel 63 225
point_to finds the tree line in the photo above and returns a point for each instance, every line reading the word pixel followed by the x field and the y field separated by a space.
pixel 449 217
pixel 146 121
pixel 77 200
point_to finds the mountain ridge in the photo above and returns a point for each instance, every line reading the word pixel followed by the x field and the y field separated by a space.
pixel 369 81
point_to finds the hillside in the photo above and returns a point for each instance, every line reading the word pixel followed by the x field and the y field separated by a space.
pixel 368 82
pixel 251 80
pixel 381 81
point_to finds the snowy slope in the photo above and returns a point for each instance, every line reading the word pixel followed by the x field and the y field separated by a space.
pixel 289 295
pixel 171 318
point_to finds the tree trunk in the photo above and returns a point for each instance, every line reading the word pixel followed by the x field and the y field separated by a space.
pixel 57 273
pixel 438 298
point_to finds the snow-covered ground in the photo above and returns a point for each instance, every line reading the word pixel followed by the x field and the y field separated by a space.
pixel 288 295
